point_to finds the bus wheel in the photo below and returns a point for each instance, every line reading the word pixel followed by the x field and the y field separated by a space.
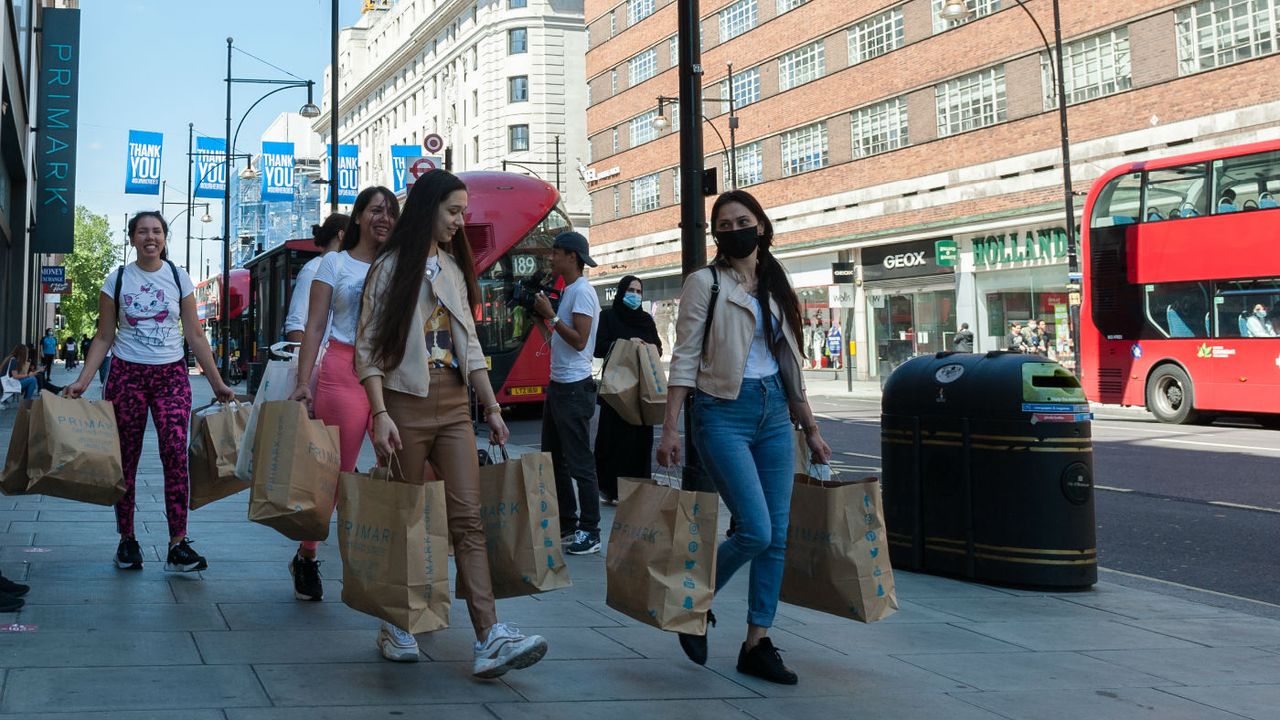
pixel 1170 396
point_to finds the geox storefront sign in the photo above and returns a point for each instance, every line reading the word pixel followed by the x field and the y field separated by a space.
pixel 58 93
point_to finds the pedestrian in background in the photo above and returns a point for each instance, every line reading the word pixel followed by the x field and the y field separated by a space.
pixel 70 354
pixel 963 341
pixel 417 353
pixel 328 237
pixel 571 394
pixel 334 302
pixel 740 359
pixel 16 367
pixel 623 449
pixel 1016 343
pixel 145 331
pixel 48 351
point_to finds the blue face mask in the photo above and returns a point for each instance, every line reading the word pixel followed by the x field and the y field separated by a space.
pixel 1262 314
pixel 631 300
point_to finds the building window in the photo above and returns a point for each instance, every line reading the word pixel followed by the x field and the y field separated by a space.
pixel 638 10
pixel 517 41
pixel 642 67
pixel 615 139
pixel 804 149
pixel 1094 66
pixel 518 89
pixel 518 138
pixel 617 202
pixel 785 5
pixel 977 9
pixel 880 128
pixel 644 193
pixel 613 23
pixel 675 50
pixel 750 165
pixel 801 65
pixel 475 150
pixel 970 102
pixel 642 130
pixel 875 36
pixel 613 82
pixel 737 19
pixel 1213 33
pixel 675 184
pixel 746 88
pixel 516 4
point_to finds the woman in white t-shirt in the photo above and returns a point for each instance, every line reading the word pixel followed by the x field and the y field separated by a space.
pixel 335 300
pixel 328 237
pixel 145 310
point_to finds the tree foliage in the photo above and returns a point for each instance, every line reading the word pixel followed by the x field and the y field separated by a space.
pixel 87 267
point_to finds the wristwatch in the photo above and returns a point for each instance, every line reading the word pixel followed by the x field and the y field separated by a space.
pixel 555 320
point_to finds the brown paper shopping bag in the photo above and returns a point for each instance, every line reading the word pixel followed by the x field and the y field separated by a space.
pixel 522 526
pixel 15 480
pixel 215 444
pixel 395 552
pixel 295 472
pixel 75 450
pixel 620 381
pixel 653 384
pixel 660 567
pixel 837 555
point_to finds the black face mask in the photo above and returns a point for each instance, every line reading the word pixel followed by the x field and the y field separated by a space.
pixel 738 243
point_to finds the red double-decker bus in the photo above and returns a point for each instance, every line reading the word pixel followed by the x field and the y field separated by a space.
pixel 1181 305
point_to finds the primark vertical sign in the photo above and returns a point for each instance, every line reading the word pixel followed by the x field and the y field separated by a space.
pixel 142 171
pixel 58 97
pixel 277 171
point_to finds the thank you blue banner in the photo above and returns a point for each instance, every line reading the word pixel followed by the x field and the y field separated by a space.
pixel 211 170
pixel 348 174
pixel 400 155
pixel 276 164
pixel 142 176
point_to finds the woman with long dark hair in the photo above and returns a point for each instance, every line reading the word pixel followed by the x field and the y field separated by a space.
pixel 16 367
pixel 417 353
pixel 623 449
pixel 737 352
pixel 334 308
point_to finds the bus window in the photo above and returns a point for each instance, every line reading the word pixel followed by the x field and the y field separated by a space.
pixel 503 329
pixel 1175 192
pixel 1248 308
pixel 1118 202
pixel 1249 182
pixel 1177 310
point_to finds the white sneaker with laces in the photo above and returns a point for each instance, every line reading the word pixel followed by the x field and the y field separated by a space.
pixel 506 649
pixel 396 644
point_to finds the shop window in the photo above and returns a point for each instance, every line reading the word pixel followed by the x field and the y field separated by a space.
pixel 1177 310
pixel 1249 182
pixel 1176 193
pixel 1247 308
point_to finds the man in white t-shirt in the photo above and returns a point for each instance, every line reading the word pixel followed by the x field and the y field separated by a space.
pixel 571 397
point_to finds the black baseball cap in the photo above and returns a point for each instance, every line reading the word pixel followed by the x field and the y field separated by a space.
pixel 570 240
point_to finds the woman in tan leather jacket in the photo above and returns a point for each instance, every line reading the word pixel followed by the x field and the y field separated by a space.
pixel 742 366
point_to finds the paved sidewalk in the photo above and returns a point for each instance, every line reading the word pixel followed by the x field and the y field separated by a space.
pixel 231 643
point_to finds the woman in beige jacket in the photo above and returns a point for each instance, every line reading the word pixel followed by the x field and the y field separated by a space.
pixel 417 352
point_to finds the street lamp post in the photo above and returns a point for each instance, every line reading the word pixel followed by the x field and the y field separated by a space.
pixel 661 123
pixel 958 10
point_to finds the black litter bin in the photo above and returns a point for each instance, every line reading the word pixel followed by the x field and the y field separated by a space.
pixel 988 470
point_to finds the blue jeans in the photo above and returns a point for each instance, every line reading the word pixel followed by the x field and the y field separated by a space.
pixel 30 388
pixel 746 446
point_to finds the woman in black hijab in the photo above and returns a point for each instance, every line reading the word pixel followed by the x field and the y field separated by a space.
pixel 623 449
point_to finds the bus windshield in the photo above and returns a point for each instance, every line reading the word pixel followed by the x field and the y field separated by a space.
pixel 503 329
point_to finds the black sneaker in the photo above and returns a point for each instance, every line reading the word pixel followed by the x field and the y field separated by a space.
pixel 765 662
pixel 306 578
pixel 129 555
pixel 183 559
pixel 9 587
pixel 584 543
pixel 567 537
pixel 695 646
pixel 9 603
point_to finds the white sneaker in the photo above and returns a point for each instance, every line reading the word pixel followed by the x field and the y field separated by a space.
pixel 506 649
pixel 396 644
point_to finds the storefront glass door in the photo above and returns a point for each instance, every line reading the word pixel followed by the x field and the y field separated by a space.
pixel 910 324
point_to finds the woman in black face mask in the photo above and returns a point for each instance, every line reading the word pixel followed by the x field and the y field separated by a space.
pixel 623 449
pixel 737 354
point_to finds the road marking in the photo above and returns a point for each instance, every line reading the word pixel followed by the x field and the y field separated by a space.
pixel 1216 445
pixel 855 454
pixel 1190 587
pixel 1241 506
pixel 1112 489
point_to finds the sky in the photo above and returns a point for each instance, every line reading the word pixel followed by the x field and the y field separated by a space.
pixel 159 64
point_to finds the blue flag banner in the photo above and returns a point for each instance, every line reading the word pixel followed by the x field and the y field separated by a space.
pixel 142 176
pixel 400 155
pixel 210 170
pixel 276 165
pixel 348 173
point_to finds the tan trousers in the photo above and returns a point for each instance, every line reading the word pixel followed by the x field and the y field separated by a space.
pixel 437 429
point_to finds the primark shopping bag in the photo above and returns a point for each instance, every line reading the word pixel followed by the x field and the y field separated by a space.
pixel 522 525
pixel 661 561
pixel 295 477
pixel 74 450
pixel 653 384
pixel 837 557
pixel 14 481
pixel 279 380
pixel 393 537
pixel 620 381
pixel 216 433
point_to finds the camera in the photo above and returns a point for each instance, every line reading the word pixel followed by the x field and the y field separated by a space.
pixel 525 291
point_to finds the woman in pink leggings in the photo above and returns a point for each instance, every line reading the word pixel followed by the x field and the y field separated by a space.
pixel 339 398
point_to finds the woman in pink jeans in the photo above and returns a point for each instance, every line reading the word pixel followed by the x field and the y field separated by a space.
pixel 339 398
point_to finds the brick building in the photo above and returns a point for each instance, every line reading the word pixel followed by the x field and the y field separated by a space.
pixel 924 151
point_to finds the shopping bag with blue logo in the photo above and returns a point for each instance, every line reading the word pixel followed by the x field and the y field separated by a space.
pixel 295 478
pixel 661 560
pixel 653 384
pixel 74 450
pixel 837 555
pixel 216 433
pixel 521 525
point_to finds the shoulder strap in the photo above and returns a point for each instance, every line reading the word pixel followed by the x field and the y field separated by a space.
pixel 711 307
pixel 176 280
pixel 116 295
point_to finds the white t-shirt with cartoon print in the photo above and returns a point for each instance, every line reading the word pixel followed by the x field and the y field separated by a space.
pixel 149 331
pixel 345 275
